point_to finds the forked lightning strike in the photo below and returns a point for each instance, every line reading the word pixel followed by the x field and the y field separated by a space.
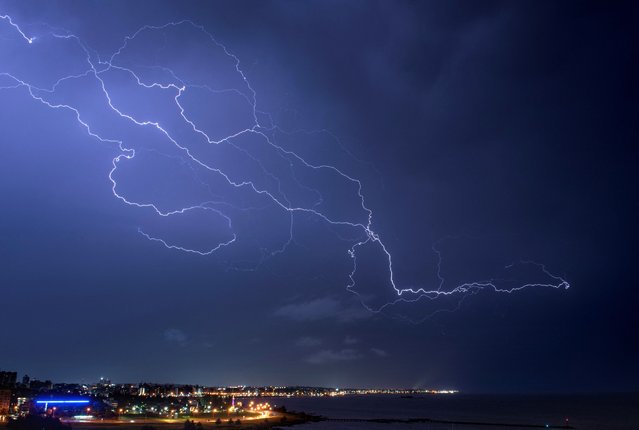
pixel 96 68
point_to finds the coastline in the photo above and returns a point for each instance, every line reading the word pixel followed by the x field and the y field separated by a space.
pixel 279 419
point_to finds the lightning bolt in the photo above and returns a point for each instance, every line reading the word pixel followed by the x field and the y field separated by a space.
pixel 17 28
pixel 261 127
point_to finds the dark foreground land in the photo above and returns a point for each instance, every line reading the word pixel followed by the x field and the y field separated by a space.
pixel 279 419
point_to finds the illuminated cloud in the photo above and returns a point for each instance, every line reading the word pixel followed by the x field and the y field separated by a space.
pixel 308 341
pixel 330 356
pixel 175 336
pixel 379 352
pixel 350 340
pixel 320 309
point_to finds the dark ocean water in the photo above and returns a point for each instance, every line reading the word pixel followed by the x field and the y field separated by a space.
pixel 584 412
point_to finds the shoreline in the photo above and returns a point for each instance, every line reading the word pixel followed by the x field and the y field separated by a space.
pixel 277 419
pixel 280 419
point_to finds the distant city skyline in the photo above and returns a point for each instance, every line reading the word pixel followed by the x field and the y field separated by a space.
pixel 10 379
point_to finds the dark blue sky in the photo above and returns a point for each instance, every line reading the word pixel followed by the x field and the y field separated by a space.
pixel 491 133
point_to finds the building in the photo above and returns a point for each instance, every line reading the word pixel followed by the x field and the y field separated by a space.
pixel 5 404
pixel 24 406
pixel 37 385
pixel 8 379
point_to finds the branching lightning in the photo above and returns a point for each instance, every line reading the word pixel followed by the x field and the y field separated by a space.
pixel 262 127
pixel 18 29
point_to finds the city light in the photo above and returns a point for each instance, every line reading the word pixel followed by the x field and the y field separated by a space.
pixel 60 401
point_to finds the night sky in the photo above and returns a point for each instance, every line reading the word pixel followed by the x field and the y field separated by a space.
pixel 494 136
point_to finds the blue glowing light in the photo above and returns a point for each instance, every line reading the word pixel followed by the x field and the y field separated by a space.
pixel 61 401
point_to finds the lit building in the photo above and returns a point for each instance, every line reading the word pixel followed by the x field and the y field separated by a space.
pixel 23 406
pixel 5 404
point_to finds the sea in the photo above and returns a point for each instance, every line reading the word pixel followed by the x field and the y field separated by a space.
pixel 583 412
